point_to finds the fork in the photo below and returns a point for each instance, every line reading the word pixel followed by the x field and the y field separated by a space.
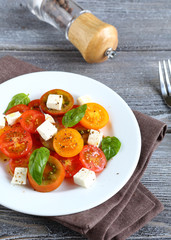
pixel 165 76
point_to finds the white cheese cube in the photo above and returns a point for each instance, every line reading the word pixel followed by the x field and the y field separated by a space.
pixel 85 177
pixel 12 117
pixel 95 138
pixel 2 121
pixel 54 101
pixel 49 118
pixel 20 176
pixel 84 99
pixel 47 130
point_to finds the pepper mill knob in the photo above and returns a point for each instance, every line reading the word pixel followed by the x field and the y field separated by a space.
pixel 110 53
pixel 95 39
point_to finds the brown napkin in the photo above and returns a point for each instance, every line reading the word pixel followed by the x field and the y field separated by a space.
pixel 133 206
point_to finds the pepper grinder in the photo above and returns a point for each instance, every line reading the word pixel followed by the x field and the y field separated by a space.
pixel 95 39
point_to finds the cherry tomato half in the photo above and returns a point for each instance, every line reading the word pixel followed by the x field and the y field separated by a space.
pixel 48 144
pixel 83 131
pixel 93 158
pixel 34 105
pixel 53 176
pixel 59 124
pixel 20 162
pixel 71 165
pixel 68 102
pixel 6 128
pixel 20 107
pixel 16 142
pixel 75 106
pixel 68 142
pixel 36 141
pixel 31 119
pixel 95 116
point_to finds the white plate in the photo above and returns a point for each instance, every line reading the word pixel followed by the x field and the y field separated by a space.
pixel 70 198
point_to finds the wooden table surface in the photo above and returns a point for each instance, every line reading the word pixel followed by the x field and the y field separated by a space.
pixel 144 28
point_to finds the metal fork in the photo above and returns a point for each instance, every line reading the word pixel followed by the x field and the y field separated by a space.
pixel 165 76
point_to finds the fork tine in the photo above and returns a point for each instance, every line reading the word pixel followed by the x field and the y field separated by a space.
pixel 162 84
pixel 169 64
pixel 167 77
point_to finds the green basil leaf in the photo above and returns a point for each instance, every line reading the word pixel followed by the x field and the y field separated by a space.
pixel 73 116
pixel 20 98
pixel 37 163
pixel 110 146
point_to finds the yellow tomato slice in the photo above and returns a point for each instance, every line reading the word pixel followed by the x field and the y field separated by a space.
pixel 68 142
pixel 96 116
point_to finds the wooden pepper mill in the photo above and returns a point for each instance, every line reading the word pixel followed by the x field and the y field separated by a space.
pixel 96 40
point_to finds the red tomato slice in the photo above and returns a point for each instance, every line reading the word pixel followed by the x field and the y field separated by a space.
pixel 53 176
pixel 6 128
pixel 20 107
pixel 68 102
pixel 75 106
pixel 34 105
pixel 93 158
pixel 21 162
pixel 16 142
pixel 71 164
pixel 36 141
pixel 31 119
pixel 59 124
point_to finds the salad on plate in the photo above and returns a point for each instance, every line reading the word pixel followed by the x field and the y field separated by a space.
pixel 49 139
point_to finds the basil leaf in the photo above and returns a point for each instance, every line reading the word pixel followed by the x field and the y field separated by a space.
pixel 20 98
pixel 110 146
pixel 73 116
pixel 37 163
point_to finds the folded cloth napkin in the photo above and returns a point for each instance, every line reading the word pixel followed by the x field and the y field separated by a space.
pixel 133 206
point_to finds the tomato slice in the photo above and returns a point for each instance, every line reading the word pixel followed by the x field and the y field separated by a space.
pixel 68 142
pixel 34 105
pixel 6 128
pixel 16 142
pixel 95 117
pixel 83 131
pixel 75 106
pixel 31 119
pixel 36 141
pixel 93 158
pixel 71 165
pixel 48 144
pixel 59 123
pixel 67 104
pixel 20 162
pixel 53 176
pixel 20 107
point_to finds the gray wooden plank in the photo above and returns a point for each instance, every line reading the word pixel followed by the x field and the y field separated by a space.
pixel 142 25
pixel 133 76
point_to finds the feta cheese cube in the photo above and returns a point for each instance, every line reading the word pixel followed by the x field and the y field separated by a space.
pixel 12 117
pixel 20 176
pixel 54 101
pixel 49 118
pixel 95 138
pixel 84 99
pixel 2 121
pixel 47 130
pixel 85 177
